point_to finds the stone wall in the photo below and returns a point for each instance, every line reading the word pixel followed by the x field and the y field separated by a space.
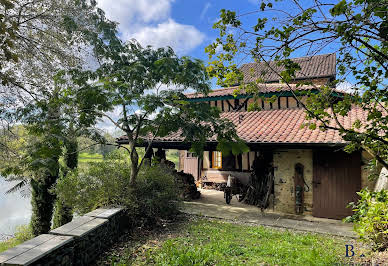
pixel 284 164
pixel 79 242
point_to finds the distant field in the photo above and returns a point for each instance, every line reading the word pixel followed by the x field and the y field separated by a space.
pixel 173 156
pixel 85 157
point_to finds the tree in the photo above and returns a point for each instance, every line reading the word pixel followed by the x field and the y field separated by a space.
pixel 39 39
pixel 356 30
pixel 147 86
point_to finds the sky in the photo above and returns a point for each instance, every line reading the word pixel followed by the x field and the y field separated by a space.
pixel 184 25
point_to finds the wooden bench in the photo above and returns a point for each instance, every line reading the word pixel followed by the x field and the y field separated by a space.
pixel 35 250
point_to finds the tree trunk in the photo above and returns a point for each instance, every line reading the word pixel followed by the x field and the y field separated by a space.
pixel 42 202
pixel 64 213
pixel 134 164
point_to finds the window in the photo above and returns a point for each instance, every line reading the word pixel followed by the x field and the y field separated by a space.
pixel 217 159
pixel 191 155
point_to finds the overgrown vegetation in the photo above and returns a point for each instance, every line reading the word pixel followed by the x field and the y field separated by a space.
pixel 355 30
pixel 22 234
pixel 107 183
pixel 371 218
pixel 205 242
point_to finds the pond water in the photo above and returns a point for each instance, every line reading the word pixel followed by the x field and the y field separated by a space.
pixel 15 209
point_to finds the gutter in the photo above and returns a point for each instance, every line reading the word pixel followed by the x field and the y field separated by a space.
pixel 266 95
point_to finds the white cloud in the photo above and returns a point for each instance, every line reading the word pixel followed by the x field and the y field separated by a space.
pixel 127 11
pixel 182 38
pixel 346 87
pixel 149 22
pixel 204 10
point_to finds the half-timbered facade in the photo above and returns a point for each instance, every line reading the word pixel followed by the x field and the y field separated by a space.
pixel 330 177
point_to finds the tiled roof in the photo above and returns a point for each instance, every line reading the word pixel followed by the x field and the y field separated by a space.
pixel 281 126
pixel 263 88
pixel 311 67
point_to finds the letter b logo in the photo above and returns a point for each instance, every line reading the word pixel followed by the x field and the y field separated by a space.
pixel 349 250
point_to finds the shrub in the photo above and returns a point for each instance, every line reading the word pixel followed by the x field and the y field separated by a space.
pixel 23 233
pixel 106 183
pixel 371 218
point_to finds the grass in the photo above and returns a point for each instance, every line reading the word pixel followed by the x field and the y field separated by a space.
pixel 10 243
pixel 85 157
pixel 209 242
pixel 22 234
pixel 173 156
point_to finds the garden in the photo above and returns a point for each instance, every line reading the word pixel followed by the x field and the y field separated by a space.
pixel 69 74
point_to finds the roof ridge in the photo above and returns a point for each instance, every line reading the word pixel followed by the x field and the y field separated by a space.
pixel 302 57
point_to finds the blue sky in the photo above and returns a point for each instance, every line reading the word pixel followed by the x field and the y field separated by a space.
pixel 186 25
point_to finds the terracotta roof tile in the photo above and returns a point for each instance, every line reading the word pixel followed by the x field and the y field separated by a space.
pixel 311 67
pixel 280 126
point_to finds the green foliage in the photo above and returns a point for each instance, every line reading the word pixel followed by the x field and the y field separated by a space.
pixel 71 153
pixel 371 218
pixel 42 202
pixel 207 242
pixel 39 38
pixel 148 85
pixel 63 214
pixel 22 234
pixel 107 183
pixel 156 194
pixel 358 27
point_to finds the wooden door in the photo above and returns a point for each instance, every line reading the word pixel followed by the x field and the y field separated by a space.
pixel 191 165
pixel 336 179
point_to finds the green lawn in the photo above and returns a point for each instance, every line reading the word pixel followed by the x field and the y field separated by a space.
pixel 85 157
pixel 173 156
pixel 205 242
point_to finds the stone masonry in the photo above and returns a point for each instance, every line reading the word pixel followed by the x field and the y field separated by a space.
pixel 284 164
pixel 76 243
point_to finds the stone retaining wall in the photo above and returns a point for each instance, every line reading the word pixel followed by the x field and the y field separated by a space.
pixel 76 243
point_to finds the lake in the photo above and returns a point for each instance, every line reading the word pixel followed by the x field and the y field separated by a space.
pixel 14 209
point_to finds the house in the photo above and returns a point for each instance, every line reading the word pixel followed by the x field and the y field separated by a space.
pixel 330 176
